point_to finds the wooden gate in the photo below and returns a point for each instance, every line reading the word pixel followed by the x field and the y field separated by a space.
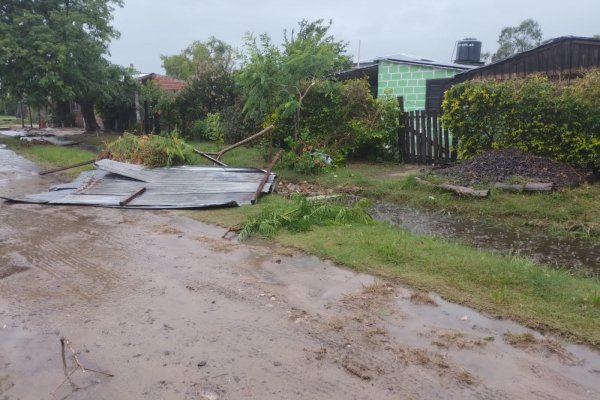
pixel 424 141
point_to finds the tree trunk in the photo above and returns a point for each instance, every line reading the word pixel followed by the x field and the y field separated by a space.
pixel 89 118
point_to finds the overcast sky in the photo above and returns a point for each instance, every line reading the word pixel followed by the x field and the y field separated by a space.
pixel 430 29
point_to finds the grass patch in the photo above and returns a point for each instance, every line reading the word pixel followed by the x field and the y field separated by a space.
pixel 50 156
pixel 540 297
pixel 573 213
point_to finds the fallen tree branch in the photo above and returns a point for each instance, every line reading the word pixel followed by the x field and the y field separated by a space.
pixel 525 187
pixel 65 343
pixel 459 190
pixel 242 142
pixel 50 171
pixel 205 155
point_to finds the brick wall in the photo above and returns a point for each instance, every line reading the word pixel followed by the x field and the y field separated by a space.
pixel 408 81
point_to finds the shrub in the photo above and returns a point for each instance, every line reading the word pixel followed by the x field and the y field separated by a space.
pixel 555 119
pixel 149 150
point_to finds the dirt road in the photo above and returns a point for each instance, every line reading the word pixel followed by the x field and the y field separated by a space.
pixel 175 312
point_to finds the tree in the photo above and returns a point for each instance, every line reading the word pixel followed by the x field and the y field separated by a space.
pixel 516 39
pixel 208 69
pixel 55 49
pixel 194 59
pixel 276 81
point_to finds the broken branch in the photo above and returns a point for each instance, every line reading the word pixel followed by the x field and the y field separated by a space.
pixel 242 142
pixel 50 171
pixel 65 343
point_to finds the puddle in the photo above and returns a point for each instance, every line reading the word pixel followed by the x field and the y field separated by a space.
pixel 557 252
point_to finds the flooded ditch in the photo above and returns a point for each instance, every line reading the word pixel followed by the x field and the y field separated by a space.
pixel 558 252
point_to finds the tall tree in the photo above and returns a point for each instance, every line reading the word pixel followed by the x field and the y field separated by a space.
pixel 516 39
pixel 56 48
pixel 276 81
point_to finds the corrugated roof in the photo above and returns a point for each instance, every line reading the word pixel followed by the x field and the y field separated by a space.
pixel 115 183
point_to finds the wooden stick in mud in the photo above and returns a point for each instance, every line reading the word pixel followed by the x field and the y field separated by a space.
pixel 459 190
pixel 50 171
pixel 525 187
pixel 265 177
pixel 242 142
pixel 65 343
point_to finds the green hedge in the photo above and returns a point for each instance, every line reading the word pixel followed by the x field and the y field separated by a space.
pixel 559 119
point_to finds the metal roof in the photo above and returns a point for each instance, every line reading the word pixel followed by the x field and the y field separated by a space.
pixel 117 184
pixel 403 58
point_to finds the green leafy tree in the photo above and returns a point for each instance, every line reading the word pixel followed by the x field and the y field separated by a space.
pixel 275 81
pixel 55 49
pixel 208 69
pixel 197 58
pixel 516 39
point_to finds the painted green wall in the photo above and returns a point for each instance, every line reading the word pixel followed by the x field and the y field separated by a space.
pixel 408 81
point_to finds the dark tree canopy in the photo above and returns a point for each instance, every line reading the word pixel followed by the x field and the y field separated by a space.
pixel 516 39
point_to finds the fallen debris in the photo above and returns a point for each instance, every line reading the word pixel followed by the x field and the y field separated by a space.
pixel 80 164
pixel 459 190
pixel 65 343
pixel 525 187
pixel 118 184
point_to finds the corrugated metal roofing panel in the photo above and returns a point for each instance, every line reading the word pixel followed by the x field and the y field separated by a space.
pixel 177 187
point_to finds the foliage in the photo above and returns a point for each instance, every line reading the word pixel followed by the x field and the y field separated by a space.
pixel 116 105
pixel 210 128
pixel 301 215
pixel 516 39
pixel 343 119
pixel 149 150
pixel 196 58
pixel 309 161
pixel 275 81
pixel 555 119
pixel 55 49
pixel 208 69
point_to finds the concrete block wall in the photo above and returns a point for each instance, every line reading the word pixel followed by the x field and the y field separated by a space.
pixel 408 81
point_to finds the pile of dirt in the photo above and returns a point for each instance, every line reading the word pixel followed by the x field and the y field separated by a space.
pixel 502 165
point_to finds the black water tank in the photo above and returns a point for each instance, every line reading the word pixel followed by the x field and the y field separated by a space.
pixel 468 51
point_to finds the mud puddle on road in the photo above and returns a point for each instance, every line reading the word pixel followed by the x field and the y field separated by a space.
pixel 174 311
pixel 541 248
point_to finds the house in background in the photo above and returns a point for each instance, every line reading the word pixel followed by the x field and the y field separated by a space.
pixel 414 79
pixel 149 118
pixel 164 82
pixel 420 82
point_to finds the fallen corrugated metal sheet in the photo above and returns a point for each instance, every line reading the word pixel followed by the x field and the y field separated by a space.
pixel 117 184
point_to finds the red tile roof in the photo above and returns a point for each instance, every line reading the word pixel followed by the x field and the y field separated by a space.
pixel 164 82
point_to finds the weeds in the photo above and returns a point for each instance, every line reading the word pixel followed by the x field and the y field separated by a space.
pixel 301 215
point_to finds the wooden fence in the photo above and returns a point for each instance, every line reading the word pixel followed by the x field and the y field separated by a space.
pixel 424 141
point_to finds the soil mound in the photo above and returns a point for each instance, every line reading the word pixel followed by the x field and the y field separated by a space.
pixel 504 164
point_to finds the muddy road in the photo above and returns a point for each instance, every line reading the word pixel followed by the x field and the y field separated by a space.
pixel 175 312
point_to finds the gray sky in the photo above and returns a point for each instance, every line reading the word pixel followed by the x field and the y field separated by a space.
pixel 151 28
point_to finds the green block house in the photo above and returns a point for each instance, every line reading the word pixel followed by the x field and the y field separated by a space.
pixel 420 82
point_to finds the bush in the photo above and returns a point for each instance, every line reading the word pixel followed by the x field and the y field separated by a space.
pixel 555 119
pixel 149 150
